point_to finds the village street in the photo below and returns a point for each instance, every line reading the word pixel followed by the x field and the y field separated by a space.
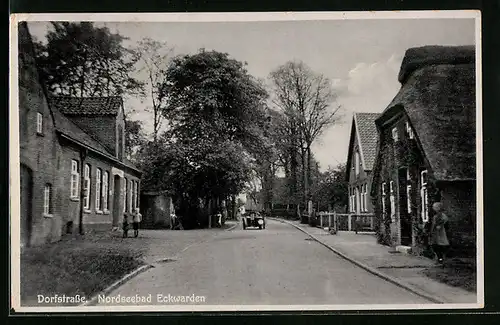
pixel 278 265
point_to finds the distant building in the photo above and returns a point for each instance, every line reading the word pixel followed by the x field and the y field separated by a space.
pixel 157 209
pixel 427 149
pixel 360 159
pixel 73 168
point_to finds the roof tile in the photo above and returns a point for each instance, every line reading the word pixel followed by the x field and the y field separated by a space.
pixel 368 136
pixel 87 105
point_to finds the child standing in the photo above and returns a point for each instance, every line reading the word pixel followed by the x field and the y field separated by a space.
pixel 439 238
pixel 125 225
pixel 136 221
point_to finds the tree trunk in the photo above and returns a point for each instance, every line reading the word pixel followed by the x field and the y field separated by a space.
pixel 308 172
pixel 304 176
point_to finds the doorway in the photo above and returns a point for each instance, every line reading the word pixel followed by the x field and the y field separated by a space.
pixel 404 216
pixel 26 205
pixel 117 190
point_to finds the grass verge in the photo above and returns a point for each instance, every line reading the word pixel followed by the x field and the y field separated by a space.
pixel 76 266
pixel 455 272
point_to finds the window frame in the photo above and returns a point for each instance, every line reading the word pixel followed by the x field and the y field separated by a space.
pixel 384 195
pixel 424 196
pixel 98 189
pixel 125 195
pixel 47 200
pixel 74 180
pixel 408 198
pixel 39 123
pixel 356 162
pixel 366 198
pixel 87 174
pixel 409 130
pixel 131 196
pixel 395 134
pixel 137 194
pixel 105 191
pixel 392 199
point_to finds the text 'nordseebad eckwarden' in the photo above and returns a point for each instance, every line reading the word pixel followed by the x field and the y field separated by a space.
pixel 148 299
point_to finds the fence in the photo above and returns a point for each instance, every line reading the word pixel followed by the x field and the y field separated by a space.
pixel 347 222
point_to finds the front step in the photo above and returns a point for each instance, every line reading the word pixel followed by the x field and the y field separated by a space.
pixel 404 249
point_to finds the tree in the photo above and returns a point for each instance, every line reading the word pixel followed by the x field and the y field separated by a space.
pixel 331 190
pixel 134 137
pixel 152 61
pixel 82 60
pixel 305 98
pixel 214 115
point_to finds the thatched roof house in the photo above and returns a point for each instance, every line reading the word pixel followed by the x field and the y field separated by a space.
pixel 438 95
pixel 428 142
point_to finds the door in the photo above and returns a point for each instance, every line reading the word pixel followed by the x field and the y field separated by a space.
pixel 117 207
pixel 26 205
pixel 404 216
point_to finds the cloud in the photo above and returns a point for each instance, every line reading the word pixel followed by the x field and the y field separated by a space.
pixel 368 87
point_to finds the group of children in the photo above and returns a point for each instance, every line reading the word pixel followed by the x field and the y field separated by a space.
pixel 136 219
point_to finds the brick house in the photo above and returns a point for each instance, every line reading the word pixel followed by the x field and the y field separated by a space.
pixel 427 149
pixel 73 168
pixel 360 159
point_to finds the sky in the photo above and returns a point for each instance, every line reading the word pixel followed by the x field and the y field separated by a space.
pixel 361 57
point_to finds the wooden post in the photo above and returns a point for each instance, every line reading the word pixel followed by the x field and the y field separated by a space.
pixel 329 221
pixel 335 224
pixel 321 221
pixel 349 222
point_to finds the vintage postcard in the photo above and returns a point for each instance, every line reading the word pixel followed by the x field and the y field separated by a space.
pixel 246 161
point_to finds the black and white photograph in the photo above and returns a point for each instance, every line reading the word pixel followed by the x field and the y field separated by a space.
pixel 246 161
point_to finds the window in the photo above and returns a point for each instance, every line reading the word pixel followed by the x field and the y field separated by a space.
pixel 353 199
pixel 86 188
pixel 136 194
pixel 408 197
pixel 47 200
pixel 98 189
pixel 75 179
pixel 365 204
pixel 362 205
pixel 424 197
pixel 383 199
pixel 423 177
pixel 395 134
pixel 409 130
pixel 105 190
pixel 392 200
pixel 356 162
pixel 39 123
pixel 125 196
pixel 131 196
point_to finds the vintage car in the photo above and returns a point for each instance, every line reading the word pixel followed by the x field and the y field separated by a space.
pixel 253 219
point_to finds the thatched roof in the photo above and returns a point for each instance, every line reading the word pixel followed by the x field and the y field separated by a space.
pixel 419 57
pixel 439 99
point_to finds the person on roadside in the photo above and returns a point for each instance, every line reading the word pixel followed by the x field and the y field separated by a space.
pixel 125 225
pixel 439 238
pixel 136 222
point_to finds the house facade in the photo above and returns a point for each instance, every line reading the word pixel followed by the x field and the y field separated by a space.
pixel 426 150
pixel 360 159
pixel 73 168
